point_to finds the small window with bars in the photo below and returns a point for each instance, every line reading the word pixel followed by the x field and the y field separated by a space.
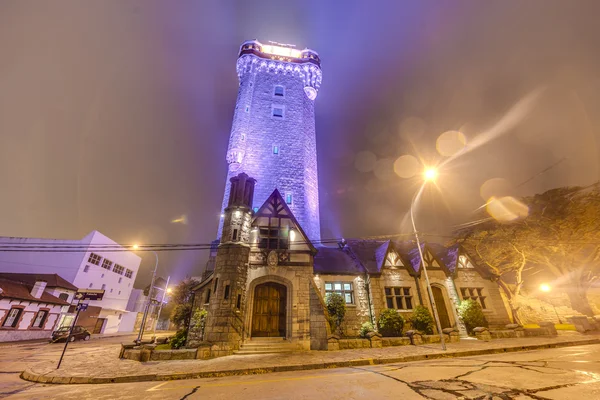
pixel 94 259
pixel 12 319
pixel 119 269
pixel 128 273
pixel 107 264
pixel 344 289
pixel 398 298
pixel 475 294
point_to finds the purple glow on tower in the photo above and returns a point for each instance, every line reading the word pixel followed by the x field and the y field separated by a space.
pixel 273 137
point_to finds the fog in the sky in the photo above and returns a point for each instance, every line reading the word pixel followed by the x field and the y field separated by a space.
pixel 115 114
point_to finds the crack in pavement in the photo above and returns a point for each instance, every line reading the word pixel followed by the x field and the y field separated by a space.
pixel 194 390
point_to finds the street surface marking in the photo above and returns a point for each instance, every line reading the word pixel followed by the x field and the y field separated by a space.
pixel 301 378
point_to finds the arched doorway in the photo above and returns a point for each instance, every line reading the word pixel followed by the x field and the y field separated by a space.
pixel 269 311
pixel 440 305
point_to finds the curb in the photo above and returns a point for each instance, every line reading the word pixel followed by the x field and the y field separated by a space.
pixel 44 378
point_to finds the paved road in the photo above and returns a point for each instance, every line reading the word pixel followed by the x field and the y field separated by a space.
pixel 565 373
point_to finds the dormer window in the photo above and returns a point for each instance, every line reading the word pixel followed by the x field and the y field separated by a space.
pixel 393 259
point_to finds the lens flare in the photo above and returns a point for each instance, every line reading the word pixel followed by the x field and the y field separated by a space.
pixel 506 209
pixel 365 161
pixel 545 287
pixel 407 166
pixel 495 187
pixel 450 143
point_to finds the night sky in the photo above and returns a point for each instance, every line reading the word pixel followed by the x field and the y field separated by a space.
pixel 115 114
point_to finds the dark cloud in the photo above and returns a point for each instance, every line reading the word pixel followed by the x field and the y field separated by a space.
pixel 115 115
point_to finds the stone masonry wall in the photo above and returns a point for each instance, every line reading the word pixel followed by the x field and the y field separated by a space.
pixel 319 327
pixel 224 325
pixel 255 131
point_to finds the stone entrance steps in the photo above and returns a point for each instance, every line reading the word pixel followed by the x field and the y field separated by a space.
pixel 266 346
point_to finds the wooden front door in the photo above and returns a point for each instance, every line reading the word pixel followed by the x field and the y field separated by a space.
pixel 99 324
pixel 440 304
pixel 268 319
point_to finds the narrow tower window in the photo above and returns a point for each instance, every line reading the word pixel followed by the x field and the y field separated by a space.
pixel 278 111
pixel 279 91
pixel 288 198
pixel 238 304
pixel 234 236
pixel 275 149
pixel 247 108
pixel 226 296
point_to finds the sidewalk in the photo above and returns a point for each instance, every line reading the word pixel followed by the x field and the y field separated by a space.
pixel 133 335
pixel 103 366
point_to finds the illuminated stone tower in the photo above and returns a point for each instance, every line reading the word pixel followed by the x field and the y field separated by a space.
pixel 273 136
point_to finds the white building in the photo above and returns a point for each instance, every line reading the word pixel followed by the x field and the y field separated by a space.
pixel 31 305
pixel 94 262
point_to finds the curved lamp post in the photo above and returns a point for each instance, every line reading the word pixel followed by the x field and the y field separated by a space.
pixel 149 299
pixel 429 175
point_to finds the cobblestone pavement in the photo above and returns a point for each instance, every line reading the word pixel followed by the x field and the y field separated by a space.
pixel 559 373
pixel 85 363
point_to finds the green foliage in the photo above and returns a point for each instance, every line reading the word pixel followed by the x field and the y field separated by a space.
pixel 180 315
pixel 421 320
pixel 390 323
pixel 182 303
pixel 198 321
pixel 472 315
pixel 365 328
pixel 179 340
pixel 336 308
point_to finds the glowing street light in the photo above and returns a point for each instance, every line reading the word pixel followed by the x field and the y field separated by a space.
pixel 429 175
pixel 544 287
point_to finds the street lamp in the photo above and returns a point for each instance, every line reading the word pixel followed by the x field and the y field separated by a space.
pixel 166 290
pixel 149 299
pixel 429 175
pixel 544 287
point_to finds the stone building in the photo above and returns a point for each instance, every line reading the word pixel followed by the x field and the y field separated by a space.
pixel 270 273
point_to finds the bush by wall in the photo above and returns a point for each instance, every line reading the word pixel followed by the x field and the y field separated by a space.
pixel 336 308
pixel 421 320
pixel 365 328
pixel 472 315
pixel 390 323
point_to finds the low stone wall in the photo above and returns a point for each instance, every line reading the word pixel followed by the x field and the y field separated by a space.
pixel 375 340
pixel 515 331
pixel 146 353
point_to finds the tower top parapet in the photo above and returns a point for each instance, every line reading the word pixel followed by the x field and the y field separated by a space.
pixel 280 52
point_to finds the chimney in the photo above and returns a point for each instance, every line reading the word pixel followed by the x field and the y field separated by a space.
pixel 38 289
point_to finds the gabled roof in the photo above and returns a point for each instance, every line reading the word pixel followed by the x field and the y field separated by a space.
pixel 276 206
pixel 12 289
pixel 53 280
pixel 332 260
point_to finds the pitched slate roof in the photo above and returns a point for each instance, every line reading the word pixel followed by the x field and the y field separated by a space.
pixel 333 260
pixel 53 280
pixel 360 256
pixel 12 289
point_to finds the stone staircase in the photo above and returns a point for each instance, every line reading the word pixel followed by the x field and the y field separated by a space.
pixel 266 346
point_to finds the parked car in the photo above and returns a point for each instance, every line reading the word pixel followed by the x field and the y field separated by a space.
pixel 79 333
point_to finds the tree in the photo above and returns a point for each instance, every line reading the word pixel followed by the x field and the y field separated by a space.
pixel 566 222
pixel 504 250
pixel 182 302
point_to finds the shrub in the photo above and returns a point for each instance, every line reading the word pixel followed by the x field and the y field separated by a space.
pixel 179 340
pixel 366 328
pixel 336 308
pixel 421 320
pixel 471 313
pixel 198 321
pixel 390 323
